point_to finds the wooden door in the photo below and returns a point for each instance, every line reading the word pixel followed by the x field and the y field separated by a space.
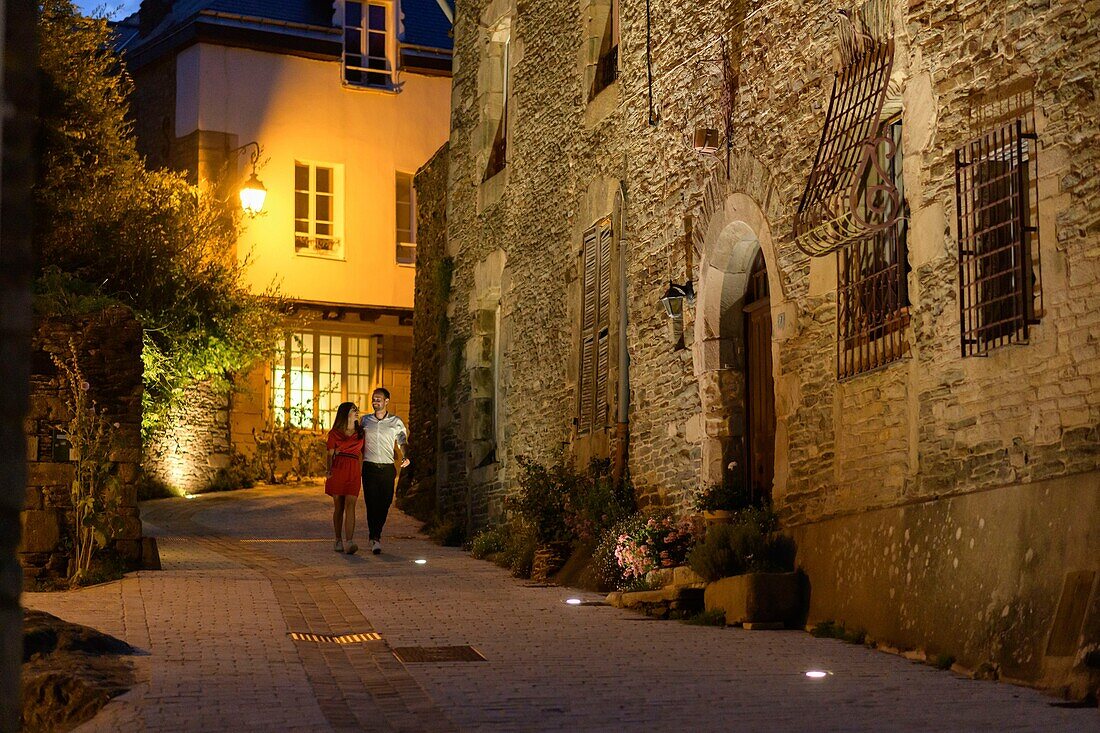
pixel 759 387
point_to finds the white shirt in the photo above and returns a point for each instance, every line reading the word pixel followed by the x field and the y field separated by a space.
pixel 380 437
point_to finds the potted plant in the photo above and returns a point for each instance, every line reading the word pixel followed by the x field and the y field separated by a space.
pixel 717 502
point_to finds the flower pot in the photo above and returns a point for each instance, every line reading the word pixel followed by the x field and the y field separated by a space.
pixel 717 516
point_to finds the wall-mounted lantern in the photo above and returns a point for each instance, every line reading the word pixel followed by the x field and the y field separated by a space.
pixel 252 193
pixel 674 297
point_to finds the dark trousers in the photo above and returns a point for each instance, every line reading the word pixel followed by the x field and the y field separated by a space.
pixel 378 481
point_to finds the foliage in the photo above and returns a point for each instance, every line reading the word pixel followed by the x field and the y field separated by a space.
pixel 651 541
pixel 109 229
pixel 282 447
pixel 832 630
pixel 943 661
pixel 594 502
pixel 150 486
pixel 716 617
pixel 540 499
pixel 95 491
pixel 489 542
pixel 448 530
pixel 241 473
pixel 748 544
pixel 730 495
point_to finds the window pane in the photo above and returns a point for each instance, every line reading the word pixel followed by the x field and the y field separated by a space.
pixel 301 380
pixel 330 396
pixel 377 17
pixel 353 40
pixel 376 45
pixel 324 229
pixel 324 180
pixel 278 382
pixel 301 177
pixel 324 208
pixel 353 13
pixel 301 204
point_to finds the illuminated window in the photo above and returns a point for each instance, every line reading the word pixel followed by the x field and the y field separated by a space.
pixel 315 210
pixel 312 373
pixel 367 58
pixel 406 219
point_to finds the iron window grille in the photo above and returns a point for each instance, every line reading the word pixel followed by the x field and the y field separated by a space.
pixel 830 213
pixel 999 272
pixel 872 275
pixel 366 45
pixel 592 402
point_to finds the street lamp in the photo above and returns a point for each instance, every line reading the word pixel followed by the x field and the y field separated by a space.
pixel 253 192
pixel 674 297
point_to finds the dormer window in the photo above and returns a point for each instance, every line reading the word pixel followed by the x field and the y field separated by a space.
pixel 368 56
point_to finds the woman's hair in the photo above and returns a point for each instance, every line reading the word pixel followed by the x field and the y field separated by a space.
pixel 341 421
pixel 382 391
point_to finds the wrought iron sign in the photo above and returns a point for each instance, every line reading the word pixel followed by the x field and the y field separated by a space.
pixel 838 206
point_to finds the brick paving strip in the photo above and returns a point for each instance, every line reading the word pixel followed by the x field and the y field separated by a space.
pixel 359 686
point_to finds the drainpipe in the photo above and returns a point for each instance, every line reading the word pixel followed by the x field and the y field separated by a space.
pixel 622 427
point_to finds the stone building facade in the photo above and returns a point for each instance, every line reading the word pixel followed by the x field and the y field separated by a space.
pixel 107 349
pixel 941 479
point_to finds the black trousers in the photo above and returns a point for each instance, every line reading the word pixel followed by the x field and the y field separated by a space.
pixel 378 479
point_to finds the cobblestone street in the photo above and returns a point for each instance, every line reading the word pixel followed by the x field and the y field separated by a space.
pixel 242 570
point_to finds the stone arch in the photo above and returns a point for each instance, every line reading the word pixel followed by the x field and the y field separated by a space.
pixel 736 232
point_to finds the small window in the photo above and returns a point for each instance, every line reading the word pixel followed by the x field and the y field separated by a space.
pixel 366 45
pixel 315 211
pixel 604 34
pixel 406 219
pixel 872 275
pixel 499 51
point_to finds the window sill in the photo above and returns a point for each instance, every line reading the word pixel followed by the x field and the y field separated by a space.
pixel 390 89
pixel 320 255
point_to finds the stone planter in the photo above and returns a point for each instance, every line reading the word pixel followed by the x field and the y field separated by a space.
pixel 760 600
pixel 718 516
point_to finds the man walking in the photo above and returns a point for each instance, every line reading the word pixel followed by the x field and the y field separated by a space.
pixel 382 431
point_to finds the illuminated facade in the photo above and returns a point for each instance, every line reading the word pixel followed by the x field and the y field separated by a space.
pixel 346 101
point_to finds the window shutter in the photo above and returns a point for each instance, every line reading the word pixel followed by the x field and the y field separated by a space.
pixel 589 306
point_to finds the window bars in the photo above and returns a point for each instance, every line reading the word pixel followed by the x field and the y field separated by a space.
pixel 1000 290
pixel 872 282
pixel 831 213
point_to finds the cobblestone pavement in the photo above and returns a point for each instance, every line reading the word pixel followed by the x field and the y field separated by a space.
pixel 243 569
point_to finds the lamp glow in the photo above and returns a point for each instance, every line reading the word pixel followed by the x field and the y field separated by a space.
pixel 816 674
pixel 573 601
pixel 253 194
pixel 420 561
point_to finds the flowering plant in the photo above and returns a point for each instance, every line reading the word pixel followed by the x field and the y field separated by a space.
pixel 653 542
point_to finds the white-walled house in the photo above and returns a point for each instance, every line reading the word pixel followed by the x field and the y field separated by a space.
pixel 343 101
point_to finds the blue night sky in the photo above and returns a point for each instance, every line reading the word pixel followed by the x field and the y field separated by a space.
pixel 110 8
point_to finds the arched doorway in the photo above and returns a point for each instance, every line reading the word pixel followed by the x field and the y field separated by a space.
pixel 759 385
pixel 738 289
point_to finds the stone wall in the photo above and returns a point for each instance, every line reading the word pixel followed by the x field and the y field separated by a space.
pixel 108 352
pixel 193 444
pixel 928 426
pixel 433 282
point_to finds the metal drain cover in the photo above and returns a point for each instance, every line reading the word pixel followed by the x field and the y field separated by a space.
pixel 410 654
pixel 333 639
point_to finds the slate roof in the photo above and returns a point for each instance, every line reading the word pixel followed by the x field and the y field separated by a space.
pixel 424 21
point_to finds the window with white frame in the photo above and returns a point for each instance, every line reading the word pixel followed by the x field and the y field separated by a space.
pixel 312 373
pixel 315 210
pixel 405 219
pixel 367 53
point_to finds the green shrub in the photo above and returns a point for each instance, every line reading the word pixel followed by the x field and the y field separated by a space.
pixel 832 630
pixel 943 661
pixel 594 502
pixel 489 542
pixel 518 554
pixel 449 531
pixel 539 500
pixel 730 495
pixel 242 473
pixel 150 487
pixel 746 545
pixel 717 617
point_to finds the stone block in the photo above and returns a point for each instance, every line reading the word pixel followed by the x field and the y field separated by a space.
pixel 150 554
pixel 129 550
pixel 129 529
pixel 41 530
pixel 758 598
pixel 50 474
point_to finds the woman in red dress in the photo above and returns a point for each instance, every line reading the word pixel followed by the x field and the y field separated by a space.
pixel 342 482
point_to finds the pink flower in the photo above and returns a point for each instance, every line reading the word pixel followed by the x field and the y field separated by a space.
pixel 84 386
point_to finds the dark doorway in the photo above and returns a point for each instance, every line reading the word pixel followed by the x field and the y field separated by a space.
pixel 759 388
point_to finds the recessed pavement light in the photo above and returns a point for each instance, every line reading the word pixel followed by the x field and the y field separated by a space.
pixel 817 674
pixel 188 496
pixel 573 601
pixel 420 561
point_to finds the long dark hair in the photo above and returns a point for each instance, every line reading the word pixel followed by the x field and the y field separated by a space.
pixel 341 421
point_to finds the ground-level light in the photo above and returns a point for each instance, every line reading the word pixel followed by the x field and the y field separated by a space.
pixel 420 561
pixel 573 601
pixel 817 674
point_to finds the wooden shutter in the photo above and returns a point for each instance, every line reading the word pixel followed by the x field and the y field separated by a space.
pixel 592 402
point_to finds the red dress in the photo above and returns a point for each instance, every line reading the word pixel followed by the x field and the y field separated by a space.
pixel 346 464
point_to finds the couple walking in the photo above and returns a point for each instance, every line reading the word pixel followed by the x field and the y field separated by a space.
pixel 368 442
